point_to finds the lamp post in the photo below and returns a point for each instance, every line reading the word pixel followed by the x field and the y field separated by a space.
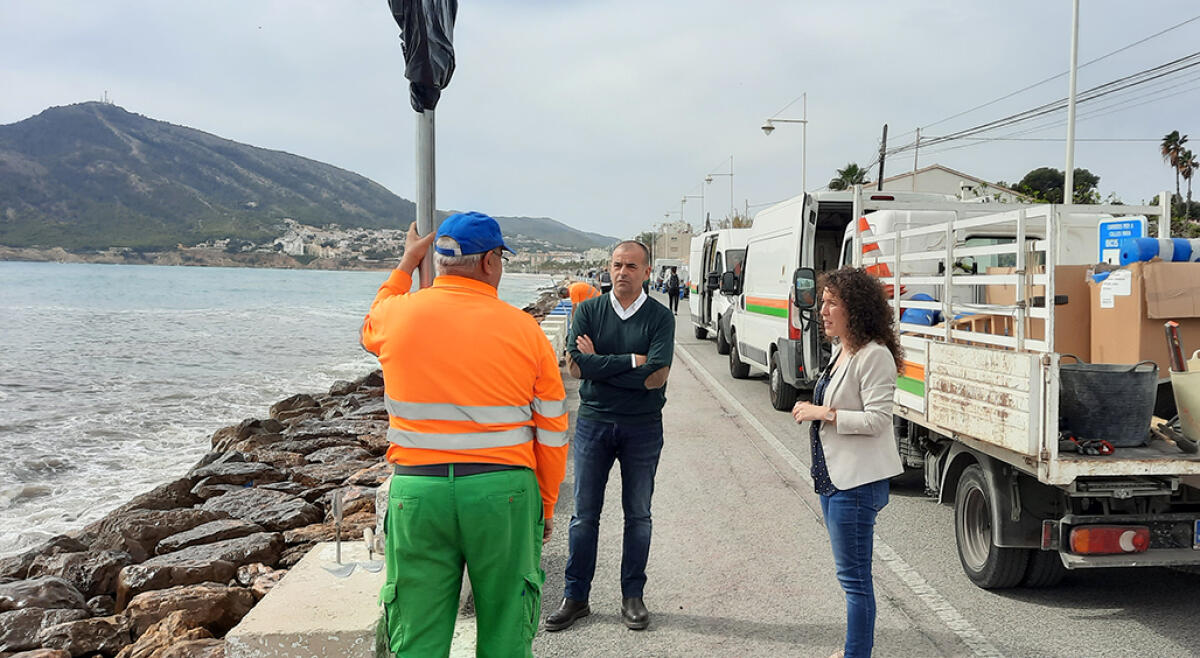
pixel 708 179
pixel 769 126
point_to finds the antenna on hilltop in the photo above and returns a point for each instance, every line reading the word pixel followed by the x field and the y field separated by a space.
pixel 106 100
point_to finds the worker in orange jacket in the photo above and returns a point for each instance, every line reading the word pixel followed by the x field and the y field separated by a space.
pixel 581 290
pixel 477 425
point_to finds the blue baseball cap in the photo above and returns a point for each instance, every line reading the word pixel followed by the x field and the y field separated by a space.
pixel 474 232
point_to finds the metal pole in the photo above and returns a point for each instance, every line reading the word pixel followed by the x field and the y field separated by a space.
pixel 916 150
pixel 731 210
pixel 1164 216
pixel 425 191
pixel 804 147
pixel 882 152
pixel 1069 181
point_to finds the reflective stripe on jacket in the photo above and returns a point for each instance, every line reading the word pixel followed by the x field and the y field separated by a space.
pixel 467 378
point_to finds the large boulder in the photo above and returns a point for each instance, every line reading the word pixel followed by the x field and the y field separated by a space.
pixel 257 442
pixel 208 533
pixel 296 405
pixel 93 573
pixel 172 495
pixel 342 387
pixel 371 380
pixel 273 510
pixel 47 592
pixel 372 476
pixel 19 629
pixel 17 566
pixel 259 578
pixel 137 532
pixel 314 429
pixel 215 607
pixel 239 473
pixel 336 473
pixel 147 577
pixel 376 442
pixel 259 547
pixel 226 437
pixel 310 445
pixel 369 408
pixel 103 635
pixel 287 487
pixel 176 628
pixel 279 458
pixel 338 454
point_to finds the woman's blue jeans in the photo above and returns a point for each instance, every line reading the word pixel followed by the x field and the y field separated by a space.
pixel 596 446
pixel 850 519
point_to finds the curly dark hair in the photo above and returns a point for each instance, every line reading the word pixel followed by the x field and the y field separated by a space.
pixel 868 315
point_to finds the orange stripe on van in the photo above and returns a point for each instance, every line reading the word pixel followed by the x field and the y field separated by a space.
pixel 763 301
pixel 914 370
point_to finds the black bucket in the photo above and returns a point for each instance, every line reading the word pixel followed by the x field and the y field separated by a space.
pixel 1108 401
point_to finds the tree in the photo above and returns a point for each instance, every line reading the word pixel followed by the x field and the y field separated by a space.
pixel 851 174
pixel 1187 167
pixel 1170 148
pixel 1045 185
pixel 738 220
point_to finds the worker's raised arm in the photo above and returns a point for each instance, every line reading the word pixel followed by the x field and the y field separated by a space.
pixel 399 283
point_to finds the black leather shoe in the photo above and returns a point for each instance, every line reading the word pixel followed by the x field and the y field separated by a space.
pixel 568 611
pixel 634 613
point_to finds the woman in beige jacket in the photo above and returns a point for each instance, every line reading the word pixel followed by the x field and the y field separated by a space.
pixel 853 448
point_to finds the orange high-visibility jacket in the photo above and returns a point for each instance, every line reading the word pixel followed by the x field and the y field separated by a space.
pixel 581 290
pixel 467 378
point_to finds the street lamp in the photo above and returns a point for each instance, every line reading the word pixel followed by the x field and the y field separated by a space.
pixel 708 179
pixel 769 126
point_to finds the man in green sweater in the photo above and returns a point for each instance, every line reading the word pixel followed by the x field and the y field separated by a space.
pixel 621 345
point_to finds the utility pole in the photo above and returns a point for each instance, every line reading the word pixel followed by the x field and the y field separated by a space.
pixel 1069 181
pixel 916 150
pixel 882 152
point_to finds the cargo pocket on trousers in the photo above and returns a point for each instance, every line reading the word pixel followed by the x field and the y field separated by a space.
pixel 391 617
pixel 531 597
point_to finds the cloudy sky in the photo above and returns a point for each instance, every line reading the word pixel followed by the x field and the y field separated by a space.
pixel 603 114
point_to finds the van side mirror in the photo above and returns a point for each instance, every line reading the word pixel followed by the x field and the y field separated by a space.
pixel 712 281
pixel 804 288
pixel 730 284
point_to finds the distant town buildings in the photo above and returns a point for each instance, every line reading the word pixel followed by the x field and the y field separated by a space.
pixel 673 240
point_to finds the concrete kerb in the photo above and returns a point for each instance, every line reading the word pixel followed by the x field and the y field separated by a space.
pixel 312 613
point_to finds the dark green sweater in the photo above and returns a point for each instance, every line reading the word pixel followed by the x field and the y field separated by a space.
pixel 613 390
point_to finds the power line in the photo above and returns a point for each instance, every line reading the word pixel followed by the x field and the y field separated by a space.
pixel 1059 75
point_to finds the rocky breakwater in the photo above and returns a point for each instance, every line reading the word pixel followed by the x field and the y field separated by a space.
pixel 169 573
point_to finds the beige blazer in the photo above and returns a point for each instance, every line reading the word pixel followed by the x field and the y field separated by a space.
pixel 860 447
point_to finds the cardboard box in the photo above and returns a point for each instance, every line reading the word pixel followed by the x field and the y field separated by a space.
pixel 1072 321
pixel 1130 307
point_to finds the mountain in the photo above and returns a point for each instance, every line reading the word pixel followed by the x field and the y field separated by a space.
pixel 92 175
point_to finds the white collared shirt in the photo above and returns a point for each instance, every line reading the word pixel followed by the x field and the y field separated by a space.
pixel 626 313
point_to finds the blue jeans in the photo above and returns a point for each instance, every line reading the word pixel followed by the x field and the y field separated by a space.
pixel 850 519
pixel 596 445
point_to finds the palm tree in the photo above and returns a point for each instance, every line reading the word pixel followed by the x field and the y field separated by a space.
pixel 851 174
pixel 1188 166
pixel 1170 148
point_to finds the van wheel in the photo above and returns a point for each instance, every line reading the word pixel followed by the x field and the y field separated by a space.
pixel 722 342
pixel 783 394
pixel 701 333
pixel 987 565
pixel 1045 569
pixel 737 369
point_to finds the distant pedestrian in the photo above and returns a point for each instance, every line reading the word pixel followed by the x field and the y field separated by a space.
pixel 673 290
pixel 605 281
pixel 477 425
pixel 621 345
pixel 853 448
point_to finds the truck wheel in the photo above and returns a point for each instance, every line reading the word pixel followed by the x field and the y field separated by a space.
pixel 737 369
pixel 1045 569
pixel 701 332
pixel 783 394
pixel 987 565
pixel 722 342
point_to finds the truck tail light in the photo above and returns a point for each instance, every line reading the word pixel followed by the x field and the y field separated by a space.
pixel 1109 539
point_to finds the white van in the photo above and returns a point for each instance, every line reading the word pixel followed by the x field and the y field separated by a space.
pixel 714 253
pixel 766 332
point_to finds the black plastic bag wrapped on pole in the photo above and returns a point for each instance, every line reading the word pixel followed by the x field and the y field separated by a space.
pixel 427 33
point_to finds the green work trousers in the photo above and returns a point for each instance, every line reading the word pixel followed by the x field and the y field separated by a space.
pixel 492 522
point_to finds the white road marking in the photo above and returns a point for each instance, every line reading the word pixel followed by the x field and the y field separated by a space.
pixel 916 583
